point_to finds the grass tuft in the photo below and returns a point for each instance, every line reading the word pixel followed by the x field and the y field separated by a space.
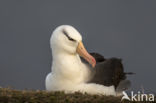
pixel 8 95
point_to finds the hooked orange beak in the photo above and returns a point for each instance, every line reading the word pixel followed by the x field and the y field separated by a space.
pixel 83 53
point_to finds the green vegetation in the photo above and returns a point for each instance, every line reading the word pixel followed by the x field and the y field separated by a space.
pixel 36 96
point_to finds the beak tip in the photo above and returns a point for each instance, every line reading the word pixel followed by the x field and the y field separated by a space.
pixel 94 63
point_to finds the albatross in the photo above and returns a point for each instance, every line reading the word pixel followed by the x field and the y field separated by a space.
pixel 74 69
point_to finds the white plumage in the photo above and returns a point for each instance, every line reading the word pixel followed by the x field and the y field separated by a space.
pixel 69 74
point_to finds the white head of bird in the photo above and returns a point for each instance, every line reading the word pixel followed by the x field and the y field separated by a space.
pixel 67 41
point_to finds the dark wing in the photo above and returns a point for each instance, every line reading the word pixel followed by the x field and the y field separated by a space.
pixel 107 72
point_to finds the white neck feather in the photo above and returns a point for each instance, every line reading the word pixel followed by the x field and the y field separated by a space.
pixel 67 66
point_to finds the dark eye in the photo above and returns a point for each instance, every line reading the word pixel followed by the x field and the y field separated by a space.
pixel 66 34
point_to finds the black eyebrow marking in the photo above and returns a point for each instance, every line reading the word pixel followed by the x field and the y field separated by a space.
pixel 66 34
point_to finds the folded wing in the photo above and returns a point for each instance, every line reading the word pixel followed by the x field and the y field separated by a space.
pixel 108 72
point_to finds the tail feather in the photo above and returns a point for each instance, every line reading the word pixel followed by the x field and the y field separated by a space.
pixel 129 73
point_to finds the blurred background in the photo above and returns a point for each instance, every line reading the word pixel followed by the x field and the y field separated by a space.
pixel 114 28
